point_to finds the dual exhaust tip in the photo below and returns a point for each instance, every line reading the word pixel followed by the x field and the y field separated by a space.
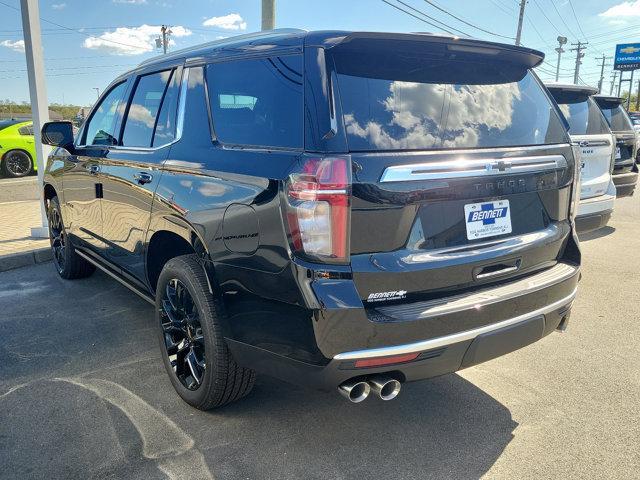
pixel 356 391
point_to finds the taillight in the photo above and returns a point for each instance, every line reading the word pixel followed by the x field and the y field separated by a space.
pixel 318 209
pixel 575 186
pixel 613 153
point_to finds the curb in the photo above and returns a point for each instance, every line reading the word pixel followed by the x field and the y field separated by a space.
pixel 25 259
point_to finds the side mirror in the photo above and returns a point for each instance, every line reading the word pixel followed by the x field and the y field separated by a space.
pixel 58 134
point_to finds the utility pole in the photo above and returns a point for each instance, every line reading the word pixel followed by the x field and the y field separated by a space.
pixel 580 46
pixel 602 65
pixel 163 40
pixel 561 41
pixel 268 14
pixel 520 20
pixel 613 81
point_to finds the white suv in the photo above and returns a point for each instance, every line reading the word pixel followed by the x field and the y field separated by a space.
pixel 589 128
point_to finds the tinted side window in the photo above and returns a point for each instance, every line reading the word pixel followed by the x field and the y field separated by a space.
pixel 166 124
pixel 257 102
pixel 27 130
pixel 101 128
pixel 144 108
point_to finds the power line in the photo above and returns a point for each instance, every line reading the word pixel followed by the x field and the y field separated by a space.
pixel 444 25
pixel 562 19
pixel 415 16
pixel 71 29
pixel 577 21
pixel 465 22
pixel 545 16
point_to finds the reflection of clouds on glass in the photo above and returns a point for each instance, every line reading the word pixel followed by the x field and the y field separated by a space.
pixel 430 115
pixel 566 111
pixel 141 114
pixel 210 189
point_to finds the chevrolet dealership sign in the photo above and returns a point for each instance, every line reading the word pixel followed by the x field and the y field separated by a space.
pixel 627 56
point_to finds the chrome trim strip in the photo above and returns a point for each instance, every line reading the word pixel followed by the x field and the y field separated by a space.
pixel 459 303
pixel 465 168
pixel 135 290
pixel 594 143
pixel 454 338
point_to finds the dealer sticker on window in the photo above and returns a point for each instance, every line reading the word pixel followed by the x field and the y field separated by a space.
pixel 487 219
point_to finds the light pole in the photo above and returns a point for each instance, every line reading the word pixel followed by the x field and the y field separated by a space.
pixel 97 91
pixel 561 41
pixel 268 14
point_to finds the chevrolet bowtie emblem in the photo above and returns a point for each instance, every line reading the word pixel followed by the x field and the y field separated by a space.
pixel 500 165
pixel 629 49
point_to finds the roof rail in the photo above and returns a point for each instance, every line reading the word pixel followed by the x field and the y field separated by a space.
pixel 221 43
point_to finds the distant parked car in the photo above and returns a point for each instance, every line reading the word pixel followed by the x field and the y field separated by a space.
pixel 625 170
pixel 589 128
pixel 17 149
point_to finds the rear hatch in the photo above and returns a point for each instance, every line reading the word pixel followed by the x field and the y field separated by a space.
pixel 622 128
pixel 590 130
pixel 462 166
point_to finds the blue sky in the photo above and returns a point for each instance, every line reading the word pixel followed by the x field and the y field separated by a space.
pixel 103 38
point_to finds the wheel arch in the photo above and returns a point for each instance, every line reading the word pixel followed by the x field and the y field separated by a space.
pixel 172 239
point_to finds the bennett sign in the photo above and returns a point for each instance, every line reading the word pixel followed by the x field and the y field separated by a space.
pixel 627 56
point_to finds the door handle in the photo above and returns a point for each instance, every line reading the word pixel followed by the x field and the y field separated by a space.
pixel 143 177
pixel 93 169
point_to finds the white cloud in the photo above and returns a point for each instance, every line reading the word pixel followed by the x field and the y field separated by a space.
pixel 17 46
pixel 624 9
pixel 131 2
pixel 132 41
pixel 58 6
pixel 233 21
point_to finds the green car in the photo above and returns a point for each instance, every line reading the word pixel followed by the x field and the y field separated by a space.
pixel 17 148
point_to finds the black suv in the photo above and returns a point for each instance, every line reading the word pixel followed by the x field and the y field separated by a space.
pixel 625 170
pixel 342 210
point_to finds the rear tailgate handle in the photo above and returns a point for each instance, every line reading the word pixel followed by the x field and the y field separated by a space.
pixel 497 269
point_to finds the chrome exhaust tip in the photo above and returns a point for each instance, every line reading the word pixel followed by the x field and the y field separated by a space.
pixel 387 388
pixel 356 391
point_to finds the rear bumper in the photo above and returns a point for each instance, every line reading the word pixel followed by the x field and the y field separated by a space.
pixel 447 335
pixel 626 182
pixel 595 213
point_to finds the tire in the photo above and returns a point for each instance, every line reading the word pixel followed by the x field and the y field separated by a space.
pixel 191 339
pixel 68 263
pixel 17 163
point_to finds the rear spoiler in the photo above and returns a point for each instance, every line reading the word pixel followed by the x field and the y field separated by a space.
pixel 609 99
pixel 572 88
pixel 337 41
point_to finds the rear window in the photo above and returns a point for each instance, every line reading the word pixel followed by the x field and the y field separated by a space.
pixel 257 102
pixel 404 103
pixel 617 117
pixel 582 113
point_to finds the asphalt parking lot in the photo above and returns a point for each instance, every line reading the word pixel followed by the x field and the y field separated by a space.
pixel 83 395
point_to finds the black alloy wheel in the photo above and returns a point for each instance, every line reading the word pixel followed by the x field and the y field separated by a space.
pixel 190 332
pixel 183 336
pixel 17 164
pixel 68 263
pixel 57 239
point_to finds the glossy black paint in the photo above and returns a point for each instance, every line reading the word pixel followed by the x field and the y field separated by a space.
pixel 283 314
